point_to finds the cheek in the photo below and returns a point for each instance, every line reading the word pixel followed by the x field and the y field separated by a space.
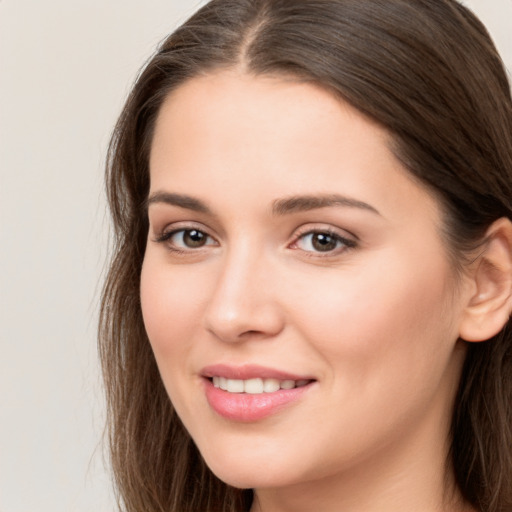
pixel 170 308
pixel 171 303
pixel 394 311
pixel 386 340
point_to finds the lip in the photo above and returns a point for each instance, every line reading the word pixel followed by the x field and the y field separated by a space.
pixel 250 371
pixel 245 407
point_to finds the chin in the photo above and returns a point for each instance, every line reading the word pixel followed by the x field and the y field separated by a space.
pixel 253 477
pixel 247 471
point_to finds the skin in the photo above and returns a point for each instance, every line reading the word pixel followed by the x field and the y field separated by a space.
pixel 375 321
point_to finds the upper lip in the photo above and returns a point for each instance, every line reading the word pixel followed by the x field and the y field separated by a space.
pixel 249 371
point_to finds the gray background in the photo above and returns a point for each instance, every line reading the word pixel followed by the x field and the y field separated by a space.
pixel 65 69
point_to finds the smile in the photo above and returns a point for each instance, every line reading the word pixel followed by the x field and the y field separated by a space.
pixel 252 393
pixel 256 386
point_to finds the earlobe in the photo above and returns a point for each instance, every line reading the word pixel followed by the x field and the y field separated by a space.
pixel 490 304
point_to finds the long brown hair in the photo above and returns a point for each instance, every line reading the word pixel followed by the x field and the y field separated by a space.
pixel 428 72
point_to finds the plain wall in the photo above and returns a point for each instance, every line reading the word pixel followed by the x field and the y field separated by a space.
pixel 65 69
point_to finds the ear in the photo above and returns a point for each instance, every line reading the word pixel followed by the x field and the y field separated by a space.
pixel 490 303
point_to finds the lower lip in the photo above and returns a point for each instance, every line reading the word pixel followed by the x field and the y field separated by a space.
pixel 245 407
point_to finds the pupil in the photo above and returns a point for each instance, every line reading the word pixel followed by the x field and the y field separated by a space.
pixel 323 242
pixel 194 238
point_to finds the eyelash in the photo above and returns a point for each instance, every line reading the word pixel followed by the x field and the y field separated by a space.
pixel 342 244
pixel 166 236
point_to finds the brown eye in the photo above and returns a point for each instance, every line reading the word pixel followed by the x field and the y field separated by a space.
pixel 192 238
pixel 323 241
pixel 183 239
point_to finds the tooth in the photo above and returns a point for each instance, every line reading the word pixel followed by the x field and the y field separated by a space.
pixel 235 386
pixel 270 385
pixel 253 386
pixel 287 384
pixel 256 385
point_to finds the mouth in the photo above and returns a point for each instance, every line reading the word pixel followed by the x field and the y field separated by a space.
pixel 256 386
pixel 252 393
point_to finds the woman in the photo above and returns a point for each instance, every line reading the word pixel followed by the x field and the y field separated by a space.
pixel 309 300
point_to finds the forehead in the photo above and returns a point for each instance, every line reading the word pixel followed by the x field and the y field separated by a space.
pixel 274 137
pixel 217 116
pixel 269 102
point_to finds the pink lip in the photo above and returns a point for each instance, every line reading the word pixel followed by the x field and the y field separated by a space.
pixel 249 371
pixel 245 407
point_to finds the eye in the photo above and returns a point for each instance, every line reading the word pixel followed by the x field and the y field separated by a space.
pixel 184 239
pixel 323 241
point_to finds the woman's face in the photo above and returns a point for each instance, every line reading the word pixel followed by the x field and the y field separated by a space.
pixel 292 261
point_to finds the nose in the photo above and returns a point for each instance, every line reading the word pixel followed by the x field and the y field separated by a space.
pixel 244 304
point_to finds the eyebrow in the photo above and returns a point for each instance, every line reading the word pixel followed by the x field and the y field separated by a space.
pixel 312 202
pixel 283 206
pixel 181 200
